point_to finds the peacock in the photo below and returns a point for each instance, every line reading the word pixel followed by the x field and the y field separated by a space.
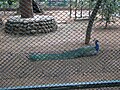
pixel 80 52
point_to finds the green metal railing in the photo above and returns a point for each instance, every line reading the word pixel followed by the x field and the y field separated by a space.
pixel 68 86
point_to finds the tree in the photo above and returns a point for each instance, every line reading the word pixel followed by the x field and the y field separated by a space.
pixel 109 7
pixel 91 21
pixel 10 2
pixel 26 9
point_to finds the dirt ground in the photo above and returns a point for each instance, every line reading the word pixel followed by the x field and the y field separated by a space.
pixel 17 70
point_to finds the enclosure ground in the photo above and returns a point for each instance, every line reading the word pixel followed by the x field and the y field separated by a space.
pixel 17 70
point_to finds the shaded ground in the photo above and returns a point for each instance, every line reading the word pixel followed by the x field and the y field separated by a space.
pixel 17 70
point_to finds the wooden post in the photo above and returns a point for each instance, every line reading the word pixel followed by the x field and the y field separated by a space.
pixel 26 9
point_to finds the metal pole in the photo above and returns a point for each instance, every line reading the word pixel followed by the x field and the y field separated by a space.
pixel 89 8
pixel 75 9
pixel 70 8
pixel 81 8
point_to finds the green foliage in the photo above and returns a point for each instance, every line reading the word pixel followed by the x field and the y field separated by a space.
pixel 7 3
pixel 108 8
pixel 85 4
pixel 3 3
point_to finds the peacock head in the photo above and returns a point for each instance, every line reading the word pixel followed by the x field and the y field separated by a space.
pixel 96 42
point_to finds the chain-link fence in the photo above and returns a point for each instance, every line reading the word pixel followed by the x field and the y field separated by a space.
pixel 59 43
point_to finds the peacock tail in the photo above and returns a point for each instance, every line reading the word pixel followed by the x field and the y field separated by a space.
pixel 80 52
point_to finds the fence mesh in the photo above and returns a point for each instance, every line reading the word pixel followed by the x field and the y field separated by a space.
pixel 56 28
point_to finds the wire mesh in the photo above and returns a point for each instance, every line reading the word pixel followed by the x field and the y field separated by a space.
pixel 59 26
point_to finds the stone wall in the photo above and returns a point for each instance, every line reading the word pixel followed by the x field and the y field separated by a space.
pixel 38 24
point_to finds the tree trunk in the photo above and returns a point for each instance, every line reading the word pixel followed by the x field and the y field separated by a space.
pixel 26 9
pixel 37 8
pixel 106 24
pixel 91 21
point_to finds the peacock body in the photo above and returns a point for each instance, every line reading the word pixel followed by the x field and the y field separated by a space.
pixel 80 52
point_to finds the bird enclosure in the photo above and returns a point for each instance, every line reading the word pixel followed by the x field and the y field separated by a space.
pixel 66 51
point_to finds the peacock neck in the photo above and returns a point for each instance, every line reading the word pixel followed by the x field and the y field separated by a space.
pixel 97 46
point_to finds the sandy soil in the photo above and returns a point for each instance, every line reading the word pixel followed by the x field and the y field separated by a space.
pixel 17 70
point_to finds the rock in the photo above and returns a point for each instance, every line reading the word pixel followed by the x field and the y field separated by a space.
pixel 33 31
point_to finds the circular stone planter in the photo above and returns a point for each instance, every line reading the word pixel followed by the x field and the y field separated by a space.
pixel 37 24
